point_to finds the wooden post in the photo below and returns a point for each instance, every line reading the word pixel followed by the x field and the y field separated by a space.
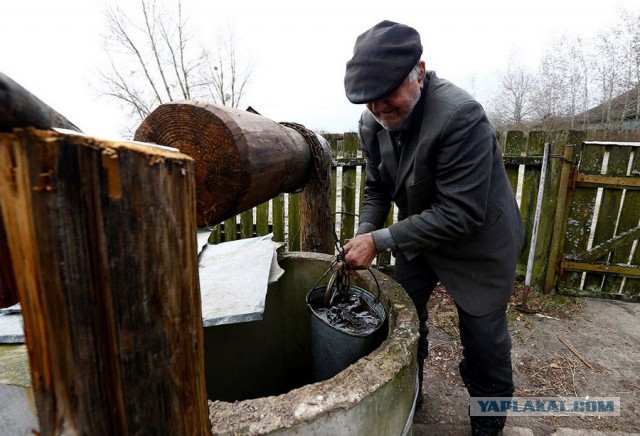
pixel 241 160
pixel 573 138
pixel 20 108
pixel 103 238
pixel 317 233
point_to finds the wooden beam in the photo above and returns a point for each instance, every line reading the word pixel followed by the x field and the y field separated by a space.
pixel 606 247
pixel 598 181
pixel 243 159
pixel 20 108
pixel 102 235
pixel 624 270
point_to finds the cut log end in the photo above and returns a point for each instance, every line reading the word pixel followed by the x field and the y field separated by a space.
pixel 198 133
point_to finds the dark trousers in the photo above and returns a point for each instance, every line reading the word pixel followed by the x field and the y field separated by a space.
pixel 486 365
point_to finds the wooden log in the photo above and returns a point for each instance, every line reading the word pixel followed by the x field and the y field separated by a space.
pixel 103 238
pixel 20 108
pixel 241 158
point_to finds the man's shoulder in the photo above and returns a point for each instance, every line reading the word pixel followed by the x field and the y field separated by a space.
pixel 368 126
pixel 441 91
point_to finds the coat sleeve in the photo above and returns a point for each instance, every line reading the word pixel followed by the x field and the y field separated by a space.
pixel 463 173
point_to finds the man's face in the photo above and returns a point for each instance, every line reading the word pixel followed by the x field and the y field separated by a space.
pixel 393 109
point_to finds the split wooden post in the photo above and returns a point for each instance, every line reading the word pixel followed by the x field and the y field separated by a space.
pixel 20 108
pixel 103 239
pixel 243 159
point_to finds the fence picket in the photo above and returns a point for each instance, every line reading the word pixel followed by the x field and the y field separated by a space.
pixel 231 229
pixel 294 222
pixel 348 197
pixel 530 182
pixel 514 144
pixel 246 224
pixel 278 218
pixel 262 219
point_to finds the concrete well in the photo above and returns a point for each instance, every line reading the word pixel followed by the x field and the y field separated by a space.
pixel 259 373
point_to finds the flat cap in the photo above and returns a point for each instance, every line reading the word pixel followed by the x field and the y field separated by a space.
pixel 383 56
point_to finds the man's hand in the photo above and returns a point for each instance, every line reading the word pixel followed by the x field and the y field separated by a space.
pixel 360 251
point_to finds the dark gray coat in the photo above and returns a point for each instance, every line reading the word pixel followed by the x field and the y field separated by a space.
pixel 457 208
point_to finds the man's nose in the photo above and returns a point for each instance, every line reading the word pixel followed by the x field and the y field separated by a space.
pixel 378 105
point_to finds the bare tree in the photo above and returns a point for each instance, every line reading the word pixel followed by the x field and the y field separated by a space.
pixel 550 96
pixel 608 67
pixel 227 80
pixel 512 106
pixel 630 41
pixel 153 59
pixel 563 87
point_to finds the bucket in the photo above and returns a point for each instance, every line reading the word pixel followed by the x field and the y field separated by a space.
pixel 333 349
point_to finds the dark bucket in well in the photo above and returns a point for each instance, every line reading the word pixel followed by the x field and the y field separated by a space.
pixel 334 349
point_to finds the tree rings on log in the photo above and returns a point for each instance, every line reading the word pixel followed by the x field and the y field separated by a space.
pixel 242 159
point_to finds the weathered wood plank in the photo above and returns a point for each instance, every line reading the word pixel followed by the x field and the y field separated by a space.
pixel 384 258
pixel 278 218
pixel 514 146
pixel 581 213
pixel 348 203
pixel 530 185
pixel 293 215
pixel 333 145
pixel 231 229
pixel 608 213
pixel 547 213
pixel 246 224
pixel 262 219
pixel 215 237
pixel 569 141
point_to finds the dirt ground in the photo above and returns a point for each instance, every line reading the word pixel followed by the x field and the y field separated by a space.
pixel 604 333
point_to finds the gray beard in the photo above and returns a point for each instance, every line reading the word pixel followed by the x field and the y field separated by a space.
pixel 413 103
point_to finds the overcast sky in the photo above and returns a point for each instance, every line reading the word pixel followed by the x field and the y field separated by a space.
pixel 299 48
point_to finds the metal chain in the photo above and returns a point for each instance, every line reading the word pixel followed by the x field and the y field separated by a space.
pixel 316 150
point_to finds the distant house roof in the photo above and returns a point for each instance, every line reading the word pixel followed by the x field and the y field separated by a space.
pixel 625 103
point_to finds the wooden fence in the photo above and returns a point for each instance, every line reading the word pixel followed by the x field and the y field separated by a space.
pixel 523 158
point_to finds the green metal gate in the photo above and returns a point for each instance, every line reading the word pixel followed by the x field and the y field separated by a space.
pixel 599 222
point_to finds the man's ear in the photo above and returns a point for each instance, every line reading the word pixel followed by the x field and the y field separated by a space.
pixel 423 67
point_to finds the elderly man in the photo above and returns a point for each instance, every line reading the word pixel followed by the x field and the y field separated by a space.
pixel 431 149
